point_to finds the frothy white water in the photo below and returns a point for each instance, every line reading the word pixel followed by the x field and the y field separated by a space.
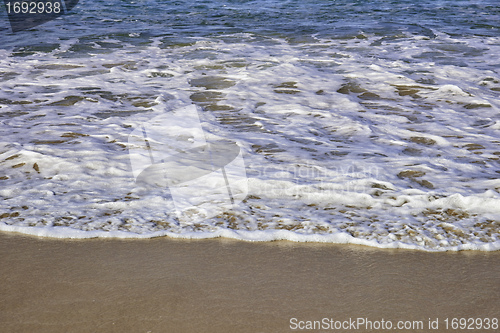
pixel 366 141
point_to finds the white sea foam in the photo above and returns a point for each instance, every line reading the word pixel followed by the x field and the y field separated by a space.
pixel 344 141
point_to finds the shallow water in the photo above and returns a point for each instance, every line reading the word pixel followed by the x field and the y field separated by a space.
pixel 361 123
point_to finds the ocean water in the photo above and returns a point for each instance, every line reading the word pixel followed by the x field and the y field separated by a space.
pixel 366 122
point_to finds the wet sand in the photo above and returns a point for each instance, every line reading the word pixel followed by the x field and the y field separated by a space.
pixel 166 285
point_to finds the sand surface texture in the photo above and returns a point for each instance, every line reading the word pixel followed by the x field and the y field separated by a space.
pixel 165 285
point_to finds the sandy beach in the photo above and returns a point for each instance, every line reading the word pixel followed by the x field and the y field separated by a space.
pixel 166 285
pixel 293 139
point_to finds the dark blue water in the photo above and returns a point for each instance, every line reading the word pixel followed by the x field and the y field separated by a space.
pixel 296 20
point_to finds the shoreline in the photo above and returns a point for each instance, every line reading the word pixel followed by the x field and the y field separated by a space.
pixel 222 285
pixel 339 238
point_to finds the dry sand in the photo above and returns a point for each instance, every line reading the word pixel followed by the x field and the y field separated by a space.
pixel 166 285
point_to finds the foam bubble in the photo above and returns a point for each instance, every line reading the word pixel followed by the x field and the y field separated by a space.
pixel 376 142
